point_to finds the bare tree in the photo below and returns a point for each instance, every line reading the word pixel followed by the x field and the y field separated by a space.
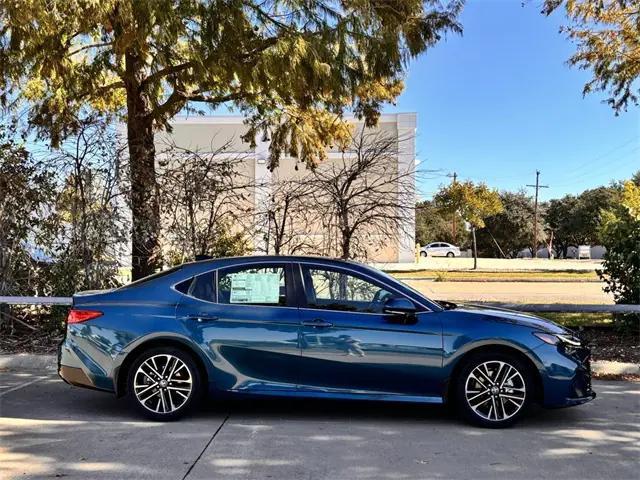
pixel 205 199
pixel 92 228
pixel 366 198
pixel 284 219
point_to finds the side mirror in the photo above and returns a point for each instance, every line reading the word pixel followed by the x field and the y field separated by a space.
pixel 399 307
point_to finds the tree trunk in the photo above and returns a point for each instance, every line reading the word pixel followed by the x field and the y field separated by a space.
pixel 345 245
pixel 475 249
pixel 145 208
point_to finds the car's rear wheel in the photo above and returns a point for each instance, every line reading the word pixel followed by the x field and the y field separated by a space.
pixel 450 254
pixel 164 383
pixel 494 390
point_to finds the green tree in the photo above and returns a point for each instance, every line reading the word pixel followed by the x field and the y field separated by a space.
pixel 620 234
pixel 292 66
pixel 508 232
pixel 606 33
pixel 473 203
pixel 433 225
pixel 575 220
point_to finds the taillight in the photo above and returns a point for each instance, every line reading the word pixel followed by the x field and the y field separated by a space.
pixel 79 316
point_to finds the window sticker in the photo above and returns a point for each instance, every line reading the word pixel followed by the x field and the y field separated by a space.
pixel 255 288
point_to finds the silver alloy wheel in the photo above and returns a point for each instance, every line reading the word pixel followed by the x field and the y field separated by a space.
pixel 495 390
pixel 163 383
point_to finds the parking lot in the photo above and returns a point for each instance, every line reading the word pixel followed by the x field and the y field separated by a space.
pixel 51 430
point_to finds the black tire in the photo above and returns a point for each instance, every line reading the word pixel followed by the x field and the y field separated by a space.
pixel 505 407
pixel 451 254
pixel 423 254
pixel 185 370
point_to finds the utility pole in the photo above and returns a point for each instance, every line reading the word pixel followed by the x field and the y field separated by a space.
pixel 454 177
pixel 537 186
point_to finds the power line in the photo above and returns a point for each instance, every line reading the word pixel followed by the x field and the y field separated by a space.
pixel 537 186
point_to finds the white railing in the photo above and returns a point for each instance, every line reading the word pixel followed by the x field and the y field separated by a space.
pixel 522 307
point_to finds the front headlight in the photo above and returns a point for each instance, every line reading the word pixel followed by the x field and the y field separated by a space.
pixel 554 339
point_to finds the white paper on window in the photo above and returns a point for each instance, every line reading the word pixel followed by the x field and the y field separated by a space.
pixel 255 288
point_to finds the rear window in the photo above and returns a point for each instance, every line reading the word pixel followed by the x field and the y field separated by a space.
pixel 154 276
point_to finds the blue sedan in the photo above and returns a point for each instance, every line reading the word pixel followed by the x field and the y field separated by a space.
pixel 314 327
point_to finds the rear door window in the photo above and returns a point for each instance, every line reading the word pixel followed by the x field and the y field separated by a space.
pixel 266 285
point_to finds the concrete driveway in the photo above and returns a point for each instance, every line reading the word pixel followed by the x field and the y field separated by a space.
pixel 51 430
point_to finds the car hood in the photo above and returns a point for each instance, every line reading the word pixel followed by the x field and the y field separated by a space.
pixel 513 317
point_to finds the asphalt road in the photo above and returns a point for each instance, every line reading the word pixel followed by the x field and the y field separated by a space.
pixel 51 430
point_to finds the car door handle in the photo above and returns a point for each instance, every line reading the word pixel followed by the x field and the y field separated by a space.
pixel 318 323
pixel 203 318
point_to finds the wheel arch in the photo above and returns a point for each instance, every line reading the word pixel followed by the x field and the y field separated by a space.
pixel 506 349
pixel 121 372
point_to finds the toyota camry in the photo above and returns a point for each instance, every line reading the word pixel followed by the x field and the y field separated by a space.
pixel 314 327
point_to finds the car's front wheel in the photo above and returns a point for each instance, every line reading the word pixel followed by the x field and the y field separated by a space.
pixel 494 390
pixel 423 254
pixel 164 383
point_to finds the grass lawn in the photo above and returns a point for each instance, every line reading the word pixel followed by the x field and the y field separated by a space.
pixel 526 276
pixel 574 320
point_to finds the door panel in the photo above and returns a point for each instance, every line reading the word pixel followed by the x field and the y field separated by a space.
pixel 357 352
pixel 253 346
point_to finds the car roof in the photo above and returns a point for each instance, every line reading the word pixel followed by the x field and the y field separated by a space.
pixel 223 261
pixel 282 258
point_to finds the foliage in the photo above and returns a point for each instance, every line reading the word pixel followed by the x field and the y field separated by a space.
pixel 205 198
pixel 364 199
pixel 87 245
pixel 620 233
pixel 26 191
pixel 292 66
pixel 472 202
pixel 575 220
pixel 433 225
pixel 508 232
pixel 606 33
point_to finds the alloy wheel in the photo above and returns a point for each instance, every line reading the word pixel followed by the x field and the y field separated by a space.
pixel 163 383
pixel 495 390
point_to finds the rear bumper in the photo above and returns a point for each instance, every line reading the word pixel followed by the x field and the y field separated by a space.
pixel 74 371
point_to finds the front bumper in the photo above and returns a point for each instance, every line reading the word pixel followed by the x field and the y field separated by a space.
pixel 582 391
pixel 566 375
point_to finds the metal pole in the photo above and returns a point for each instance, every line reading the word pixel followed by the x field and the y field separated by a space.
pixel 537 186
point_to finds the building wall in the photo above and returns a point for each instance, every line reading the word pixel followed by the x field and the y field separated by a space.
pixel 209 134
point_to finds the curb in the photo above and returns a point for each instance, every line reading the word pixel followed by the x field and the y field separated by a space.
pixel 606 367
pixel 27 361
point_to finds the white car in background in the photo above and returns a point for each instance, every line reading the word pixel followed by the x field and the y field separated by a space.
pixel 439 249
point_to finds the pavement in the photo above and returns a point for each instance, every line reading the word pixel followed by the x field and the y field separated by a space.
pixel 514 292
pixel 51 430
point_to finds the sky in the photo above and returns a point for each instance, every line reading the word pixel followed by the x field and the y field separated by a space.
pixel 499 102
